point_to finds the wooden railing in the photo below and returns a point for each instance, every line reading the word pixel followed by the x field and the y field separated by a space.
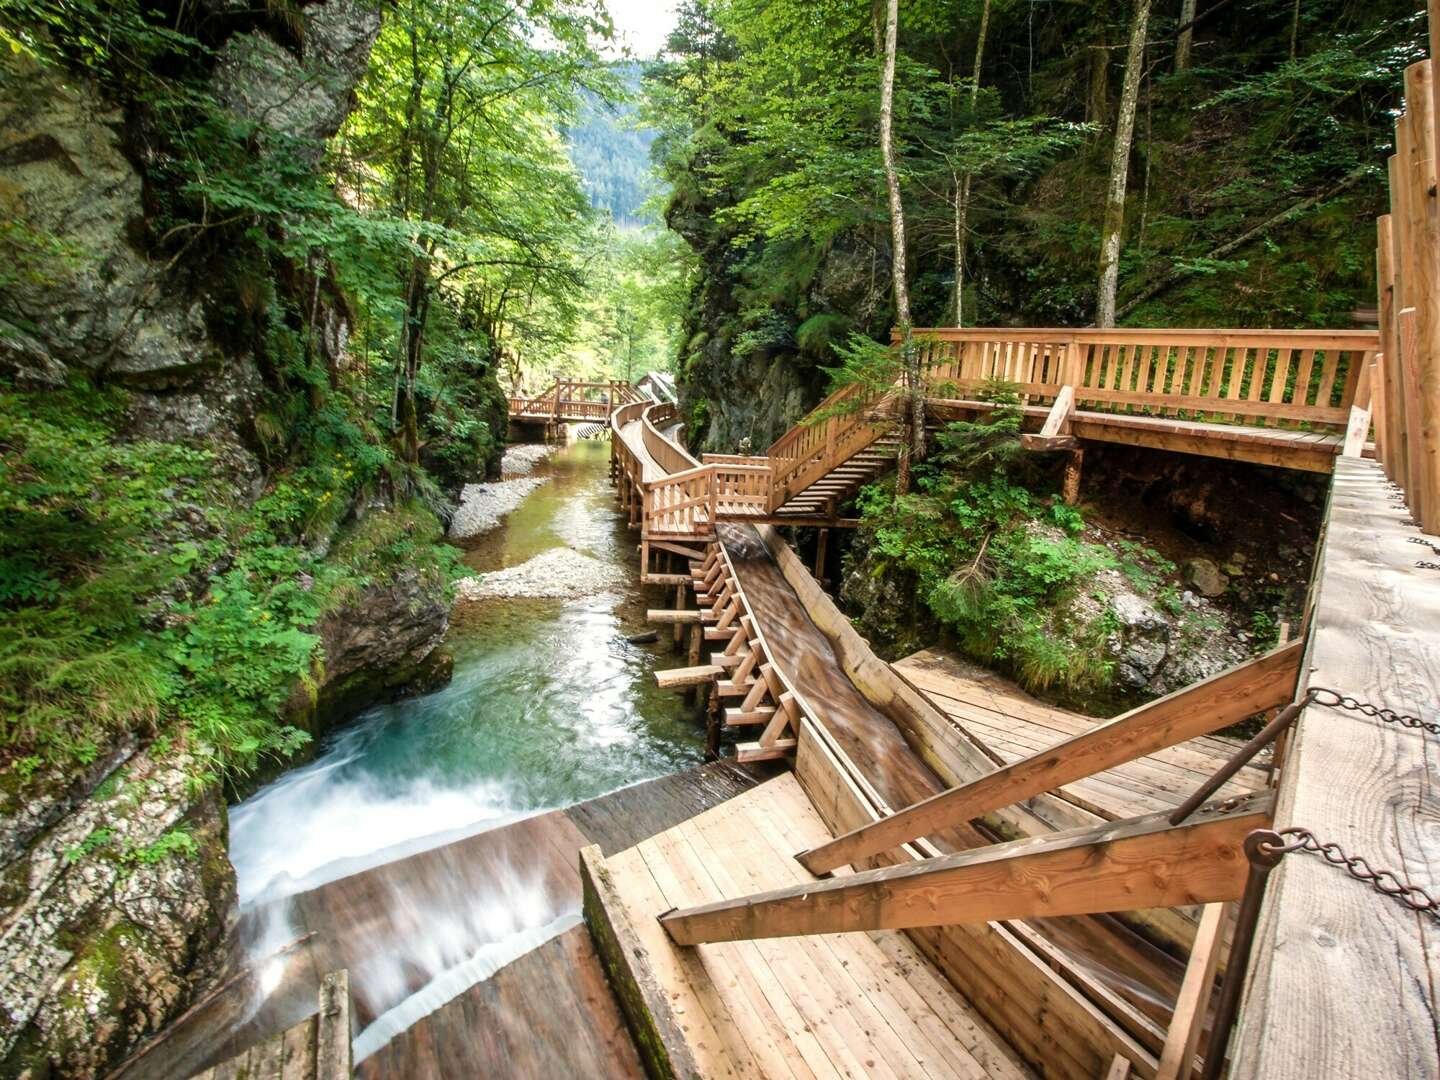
pixel 1286 378
pixel 834 431
pixel 668 455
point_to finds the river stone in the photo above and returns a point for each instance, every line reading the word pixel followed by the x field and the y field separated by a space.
pixel 1204 576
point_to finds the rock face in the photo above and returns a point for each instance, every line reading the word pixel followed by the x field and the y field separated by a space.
pixel 115 888
pixel 386 640
pixel 116 895
pixel 305 96
pixel 750 371
pixel 96 301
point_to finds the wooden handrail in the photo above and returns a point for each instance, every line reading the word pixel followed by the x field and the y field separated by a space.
pixel 1263 683
pixel 1116 866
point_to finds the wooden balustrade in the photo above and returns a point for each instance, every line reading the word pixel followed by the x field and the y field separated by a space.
pixel 1285 378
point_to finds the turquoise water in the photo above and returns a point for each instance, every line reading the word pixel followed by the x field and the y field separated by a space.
pixel 549 705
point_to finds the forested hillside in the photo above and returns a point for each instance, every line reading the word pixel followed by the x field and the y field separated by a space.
pixel 1253 140
pixel 611 151
pixel 263 273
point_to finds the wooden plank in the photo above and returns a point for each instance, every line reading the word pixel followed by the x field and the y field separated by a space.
pixel 662 1041
pixel 1218 702
pixel 1342 979
pixel 1188 1019
pixel 675 616
pixel 333 1054
pixel 687 676
pixel 753 751
pixel 1144 862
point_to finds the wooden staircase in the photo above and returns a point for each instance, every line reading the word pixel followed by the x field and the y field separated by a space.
pixel 843 482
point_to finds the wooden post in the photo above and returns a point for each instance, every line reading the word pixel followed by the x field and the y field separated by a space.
pixel 1403 250
pixel 1188 1020
pixel 1389 340
pixel 333 1054
pixel 679 631
pixel 712 724
pixel 820 545
pixel 1070 491
pixel 1425 294
pixel 1410 384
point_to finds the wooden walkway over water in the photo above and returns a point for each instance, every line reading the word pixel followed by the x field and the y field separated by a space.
pixel 955 880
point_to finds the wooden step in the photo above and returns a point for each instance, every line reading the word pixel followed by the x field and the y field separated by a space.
pixel 713 634
pixel 728 688
pixel 761 714
pixel 687 676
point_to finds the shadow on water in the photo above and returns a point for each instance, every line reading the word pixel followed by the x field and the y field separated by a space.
pixel 411 831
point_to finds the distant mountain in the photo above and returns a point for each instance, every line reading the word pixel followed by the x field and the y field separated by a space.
pixel 613 156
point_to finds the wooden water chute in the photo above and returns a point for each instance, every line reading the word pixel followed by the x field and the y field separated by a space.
pixel 748 689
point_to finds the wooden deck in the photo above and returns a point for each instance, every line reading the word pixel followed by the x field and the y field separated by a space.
pixel 853 1005
pixel 1012 725
pixel 1343 978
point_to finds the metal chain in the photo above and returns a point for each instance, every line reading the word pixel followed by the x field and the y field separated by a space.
pixel 1319 694
pixel 1382 881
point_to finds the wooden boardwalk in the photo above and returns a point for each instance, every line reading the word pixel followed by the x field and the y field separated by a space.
pixel 851 1005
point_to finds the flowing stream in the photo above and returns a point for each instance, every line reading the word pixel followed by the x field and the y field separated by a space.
pixel 549 705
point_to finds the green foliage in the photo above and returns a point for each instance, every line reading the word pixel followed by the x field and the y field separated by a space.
pixel 994 562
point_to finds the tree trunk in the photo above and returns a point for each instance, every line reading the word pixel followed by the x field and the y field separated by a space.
pixel 1187 34
pixel 1119 169
pixel 913 446
pixel 962 190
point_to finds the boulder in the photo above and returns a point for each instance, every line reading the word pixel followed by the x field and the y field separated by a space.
pixel 1141 642
pixel 1204 576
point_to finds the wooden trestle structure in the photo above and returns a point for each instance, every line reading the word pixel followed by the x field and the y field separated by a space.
pixel 907 901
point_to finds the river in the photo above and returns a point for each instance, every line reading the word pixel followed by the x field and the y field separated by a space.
pixel 549 705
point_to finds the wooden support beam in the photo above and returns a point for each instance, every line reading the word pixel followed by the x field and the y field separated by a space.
pixel 1054 434
pixel 1356 431
pixel 715 634
pixel 664 579
pixel 761 714
pixel 671 616
pixel 755 752
pixel 1188 1020
pixel 687 676
pixel 1222 700
pixel 1117 866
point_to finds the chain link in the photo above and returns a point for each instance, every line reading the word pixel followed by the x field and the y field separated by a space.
pixel 1382 881
pixel 1337 700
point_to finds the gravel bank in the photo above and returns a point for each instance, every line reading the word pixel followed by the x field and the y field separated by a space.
pixel 483 505
pixel 519 460
pixel 559 572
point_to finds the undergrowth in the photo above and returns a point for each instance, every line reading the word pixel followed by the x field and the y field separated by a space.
pixel 994 561
pixel 139 593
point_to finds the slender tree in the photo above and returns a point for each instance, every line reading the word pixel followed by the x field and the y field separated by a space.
pixel 962 189
pixel 1120 168
pixel 1186 36
pixel 913 445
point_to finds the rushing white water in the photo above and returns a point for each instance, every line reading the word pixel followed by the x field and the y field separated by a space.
pixel 453 981
pixel 333 818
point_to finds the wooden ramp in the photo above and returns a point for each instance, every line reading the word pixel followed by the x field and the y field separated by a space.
pixel 855 1005
pixel 547 1014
